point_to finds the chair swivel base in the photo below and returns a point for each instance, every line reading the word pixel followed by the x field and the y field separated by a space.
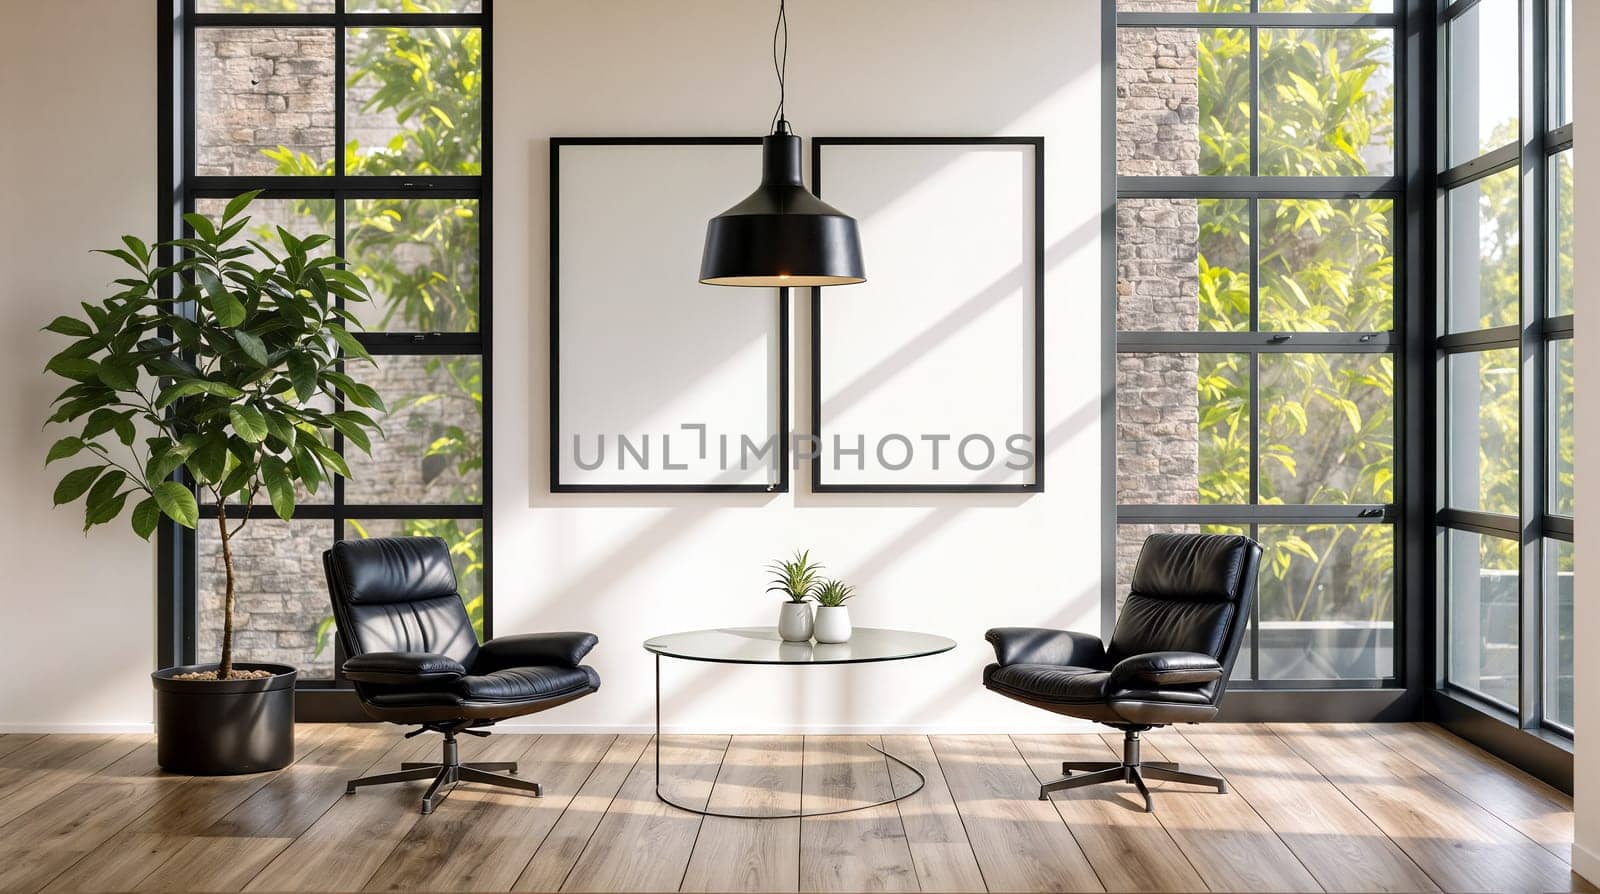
pixel 1129 769
pixel 447 772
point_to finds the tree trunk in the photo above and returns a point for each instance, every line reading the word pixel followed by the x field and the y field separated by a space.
pixel 225 665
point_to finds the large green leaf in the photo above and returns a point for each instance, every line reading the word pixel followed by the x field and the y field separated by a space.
pixel 238 203
pixel 210 460
pixel 303 375
pixel 119 374
pixel 177 502
pixel 192 387
pixel 305 463
pixel 349 424
pixel 146 514
pixel 348 342
pixel 280 487
pixel 76 483
pixel 227 308
pixel 253 347
pixel 70 326
pixel 80 368
pixel 69 446
pixel 248 423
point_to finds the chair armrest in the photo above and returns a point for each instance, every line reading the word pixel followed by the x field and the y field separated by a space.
pixel 1165 669
pixel 403 668
pixel 535 650
pixel 1038 645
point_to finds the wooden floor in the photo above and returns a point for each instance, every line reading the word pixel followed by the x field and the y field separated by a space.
pixel 1338 808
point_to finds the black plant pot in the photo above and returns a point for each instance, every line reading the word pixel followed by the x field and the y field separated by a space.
pixel 222 728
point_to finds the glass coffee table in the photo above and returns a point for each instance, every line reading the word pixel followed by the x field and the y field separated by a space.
pixel 762 645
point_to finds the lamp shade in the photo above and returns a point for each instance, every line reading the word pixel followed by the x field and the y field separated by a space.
pixel 781 234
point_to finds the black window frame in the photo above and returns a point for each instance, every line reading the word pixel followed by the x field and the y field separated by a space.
pixel 1252 698
pixel 178 187
pixel 1523 730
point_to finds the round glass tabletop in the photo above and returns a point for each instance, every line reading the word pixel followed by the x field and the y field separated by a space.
pixel 762 645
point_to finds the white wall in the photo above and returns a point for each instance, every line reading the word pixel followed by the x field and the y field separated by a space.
pixel 1586 521
pixel 79 82
pixel 628 567
pixel 78 162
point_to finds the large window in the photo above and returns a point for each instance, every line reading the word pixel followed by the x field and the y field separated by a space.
pixel 1505 357
pixel 1256 306
pixel 366 120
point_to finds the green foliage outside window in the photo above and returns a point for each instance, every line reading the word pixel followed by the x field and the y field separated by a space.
pixel 1326 430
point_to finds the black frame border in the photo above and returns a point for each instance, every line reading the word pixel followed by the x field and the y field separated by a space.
pixel 1037 143
pixel 554 315
pixel 1401 693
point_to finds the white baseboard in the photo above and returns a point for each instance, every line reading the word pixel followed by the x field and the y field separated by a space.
pixel 102 729
pixel 1586 862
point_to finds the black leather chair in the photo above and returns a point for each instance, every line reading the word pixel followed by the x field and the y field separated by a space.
pixel 1168 661
pixel 414 658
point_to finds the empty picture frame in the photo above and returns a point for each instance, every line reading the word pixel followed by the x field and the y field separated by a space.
pixel 658 383
pixel 929 377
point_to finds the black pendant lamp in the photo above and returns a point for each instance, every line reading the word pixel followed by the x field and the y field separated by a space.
pixel 781 234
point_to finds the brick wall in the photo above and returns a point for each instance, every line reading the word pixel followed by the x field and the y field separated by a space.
pixel 1158 241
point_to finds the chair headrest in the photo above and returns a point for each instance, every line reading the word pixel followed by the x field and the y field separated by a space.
pixel 1195 567
pixel 393 569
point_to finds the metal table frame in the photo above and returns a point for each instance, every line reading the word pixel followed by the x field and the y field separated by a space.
pixel 800 814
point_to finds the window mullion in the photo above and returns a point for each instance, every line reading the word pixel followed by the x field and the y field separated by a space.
pixel 1532 226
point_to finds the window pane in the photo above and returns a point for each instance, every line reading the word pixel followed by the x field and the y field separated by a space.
pixel 1327 102
pixel 419 259
pixel 1560 62
pixel 1561 428
pixel 264 6
pixel 1327 5
pixel 1183 428
pixel 465 539
pixel 1484 614
pixel 263 101
pixel 414 101
pixel 280 598
pixel 1183 101
pixel 1327 428
pixel 1327 602
pixel 431 450
pixel 1483 431
pixel 1183 5
pixel 1484 251
pixel 301 217
pixel 1558 679
pixel 1561 218
pixel 1327 265
pixel 1482 94
pixel 414 5
pixel 1183 265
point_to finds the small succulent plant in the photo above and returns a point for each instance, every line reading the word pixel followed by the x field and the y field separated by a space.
pixel 797 577
pixel 832 593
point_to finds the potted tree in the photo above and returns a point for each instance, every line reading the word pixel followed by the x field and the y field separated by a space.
pixel 231 387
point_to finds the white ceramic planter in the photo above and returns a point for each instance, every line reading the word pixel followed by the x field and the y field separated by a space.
pixel 833 624
pixel 794 622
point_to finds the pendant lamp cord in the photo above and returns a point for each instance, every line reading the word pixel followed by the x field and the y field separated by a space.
pixel 780 63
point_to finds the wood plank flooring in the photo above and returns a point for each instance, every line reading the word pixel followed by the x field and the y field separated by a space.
pixel 1357 807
